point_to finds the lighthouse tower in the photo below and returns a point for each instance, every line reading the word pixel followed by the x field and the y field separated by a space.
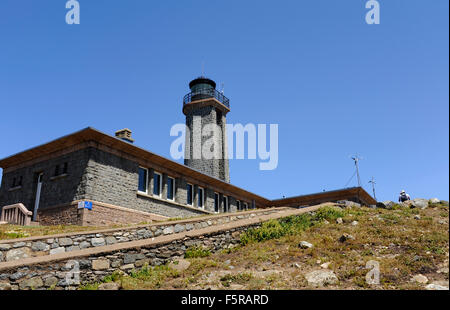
pixel 206 109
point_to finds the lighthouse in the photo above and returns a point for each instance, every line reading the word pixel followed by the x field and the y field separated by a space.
pixel 205 109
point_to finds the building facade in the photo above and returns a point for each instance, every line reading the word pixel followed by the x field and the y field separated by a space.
pixel 127 184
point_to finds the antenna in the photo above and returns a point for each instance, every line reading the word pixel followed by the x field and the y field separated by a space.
pixel 223 88
pixel 356 159
pixel 373 187
pixel 203 68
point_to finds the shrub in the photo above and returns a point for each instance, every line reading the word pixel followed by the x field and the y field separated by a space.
pixel 196 251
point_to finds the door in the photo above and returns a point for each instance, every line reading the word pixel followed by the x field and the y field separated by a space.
pixel 38 195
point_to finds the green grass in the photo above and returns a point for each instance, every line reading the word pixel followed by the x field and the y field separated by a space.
pixel 197 251
pixel 275 229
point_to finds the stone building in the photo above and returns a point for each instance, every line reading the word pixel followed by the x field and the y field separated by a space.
pixel 92 178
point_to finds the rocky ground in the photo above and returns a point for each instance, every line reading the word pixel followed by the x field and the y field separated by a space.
pixel 342 249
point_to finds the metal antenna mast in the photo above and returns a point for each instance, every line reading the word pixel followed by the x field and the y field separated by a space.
pixel 356 159
pixel 373 187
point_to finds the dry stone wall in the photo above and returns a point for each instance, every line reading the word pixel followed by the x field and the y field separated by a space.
pixel 11 250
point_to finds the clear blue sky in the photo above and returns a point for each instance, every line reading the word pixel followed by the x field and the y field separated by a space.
pixel 335 85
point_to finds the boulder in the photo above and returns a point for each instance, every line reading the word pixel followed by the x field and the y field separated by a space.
pixel 65 241
pixel 434 200
pixel 417 217
pixel 168 230
pixel 17 254
pixel 419 203
pixel 385 204
pixel 305 245
pixel 339 220
pixel 320 278
pixel 110 286
pixel 5 286
pixel 180 265
pixel 100 264
pixel 5 247
pixel 420 279
pixel 97 242
pixel 51 281
pixel 355 223
pixel 57 250
pixel 346 237
pixel 436 287
pixel 32 283
pixel 40 246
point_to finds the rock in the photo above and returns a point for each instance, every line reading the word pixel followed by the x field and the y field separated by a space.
pixel 349 204
pixel 355 223
pixel 40 246
pixel 32 283
pixel 436 287
pixel 417 217
pixel 73 248
pixel 305 245
pixel 17 275
pixel 180 265
pixel 168 230
pixel 110 240
pixel 1 256
pixel 19 244
pixel 339 220
pixel 320 278
pixel 326 222
pixel 5 247
pixel 419 203
pixel 110 286
pixel 179 228
pixel 100 264
pixel 127 267
pixel 5 286
pixel 97 242
pixel 189 227
pixel 346 237
pixel 420 279
pixel 325 265
pixel 386 204
pixel 57 250
pixel 17 254
pixel 84 245
pixel 51 281
pixel 434 200
pixel 65 241
pixel 236 287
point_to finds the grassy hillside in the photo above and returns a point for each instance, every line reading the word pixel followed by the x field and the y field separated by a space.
pixel 408 244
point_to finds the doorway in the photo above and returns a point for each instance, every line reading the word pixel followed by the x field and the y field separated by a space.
pixel 38 195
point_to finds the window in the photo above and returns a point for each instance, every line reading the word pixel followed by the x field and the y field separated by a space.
pixel 190 194
pixel 143 180
pixel 245 206
pixel 65 168
pixel 216 202
pixel 170 188
pixel 238 205
pixel 200 197
pixel 56 170
pixel 20 181
pixel 157 184
pixel 225 204
pixel 14 183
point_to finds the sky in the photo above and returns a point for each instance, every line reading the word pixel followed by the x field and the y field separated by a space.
pixel 335 85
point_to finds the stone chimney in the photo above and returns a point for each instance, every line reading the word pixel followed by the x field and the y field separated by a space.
pixel 124 134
